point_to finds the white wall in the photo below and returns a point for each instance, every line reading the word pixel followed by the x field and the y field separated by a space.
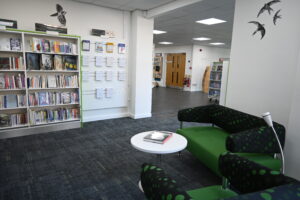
pixel 262 72
pixel 175 49
pixel 202 59
pixel 292 147
pixel 196 61
pixel 81 18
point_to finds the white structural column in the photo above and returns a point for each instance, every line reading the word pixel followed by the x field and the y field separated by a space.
pixel 140 75
pixel 292 147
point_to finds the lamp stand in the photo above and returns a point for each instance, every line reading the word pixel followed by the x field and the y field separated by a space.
pixel 281 151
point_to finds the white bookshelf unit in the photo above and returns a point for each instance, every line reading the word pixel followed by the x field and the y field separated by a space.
pixel 39 108
pixel 218 82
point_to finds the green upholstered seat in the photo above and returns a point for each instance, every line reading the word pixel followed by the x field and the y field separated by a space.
pixel 211 193
pixel 208 143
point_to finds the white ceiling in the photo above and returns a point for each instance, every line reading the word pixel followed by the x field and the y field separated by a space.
pixel 181 27
pixel 180 23
pixel 128 5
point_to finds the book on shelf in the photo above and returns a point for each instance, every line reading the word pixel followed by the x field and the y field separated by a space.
pixel 58 63
pixel 16 81
pixel 46 46
pixel 12 101
pixel 53 115
pixel 11 63
pixel 51 81
pixel 5 44
pixel 5 120
pixel 5 63
pixel 46 62
pixel 33 99
pixel 15 44
pixel 43 98
pixel 70 62
pixel 159 137
pixel 32 61
pixel 66 97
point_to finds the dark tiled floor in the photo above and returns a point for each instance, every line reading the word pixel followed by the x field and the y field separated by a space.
pixel 95 162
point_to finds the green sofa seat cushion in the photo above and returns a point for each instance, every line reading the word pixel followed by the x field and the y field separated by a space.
pixel 208 143
pixel 211 193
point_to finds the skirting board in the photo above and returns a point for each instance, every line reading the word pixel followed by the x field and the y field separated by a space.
pixel 104 117
pixel 39 129
pixel 139 116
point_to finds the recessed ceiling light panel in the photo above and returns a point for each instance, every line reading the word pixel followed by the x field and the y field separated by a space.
pixel 211 21
pixel 157 32
pixel 217 43
pixel 202 39
pixel 166 43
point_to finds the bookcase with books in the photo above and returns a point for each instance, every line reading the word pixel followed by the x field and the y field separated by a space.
pixel 39 82
pixel 215 81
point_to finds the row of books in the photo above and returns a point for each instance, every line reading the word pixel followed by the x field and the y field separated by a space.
pixel 50 62
pixel 215 84
pixel 11 63
pixel 42 45
pixel 216 76
pixel 11 120
pixel 53 81
pixel 7 44
pixel 217 68
pixel 12 101
pixel 56 115
pixel 214 92
pixel 9 81
pixel 52 98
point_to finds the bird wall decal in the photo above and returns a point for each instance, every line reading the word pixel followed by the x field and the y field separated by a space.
pixel 60 13
pixel 276 17
pixel 267 7
pixel 260 28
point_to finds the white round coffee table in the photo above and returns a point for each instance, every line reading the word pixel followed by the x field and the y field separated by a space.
pixel 175 144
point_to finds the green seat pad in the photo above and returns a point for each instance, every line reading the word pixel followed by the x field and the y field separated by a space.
pixel 208 143
pixel 211 193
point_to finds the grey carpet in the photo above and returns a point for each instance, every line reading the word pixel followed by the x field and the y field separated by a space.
pixel 95 162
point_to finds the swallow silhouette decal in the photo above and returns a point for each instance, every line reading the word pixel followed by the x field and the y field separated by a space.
pixel 60 14
pixel 260 28
pixel 266 8
pixel 276 17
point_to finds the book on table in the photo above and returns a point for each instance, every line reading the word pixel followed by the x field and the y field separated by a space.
pixel 159 137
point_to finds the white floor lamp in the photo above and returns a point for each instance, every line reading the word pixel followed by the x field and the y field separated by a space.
pixel 268 119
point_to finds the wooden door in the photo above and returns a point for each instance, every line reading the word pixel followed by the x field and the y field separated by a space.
pixel 175 70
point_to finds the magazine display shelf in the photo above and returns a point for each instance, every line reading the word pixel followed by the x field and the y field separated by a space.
pixel 29 128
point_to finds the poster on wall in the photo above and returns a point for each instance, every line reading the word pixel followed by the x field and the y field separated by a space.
pixel 109 47
pixel 99 47
pixel 86 45
pixel 121 48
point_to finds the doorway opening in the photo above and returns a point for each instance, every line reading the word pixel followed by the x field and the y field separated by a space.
pixel 175 70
